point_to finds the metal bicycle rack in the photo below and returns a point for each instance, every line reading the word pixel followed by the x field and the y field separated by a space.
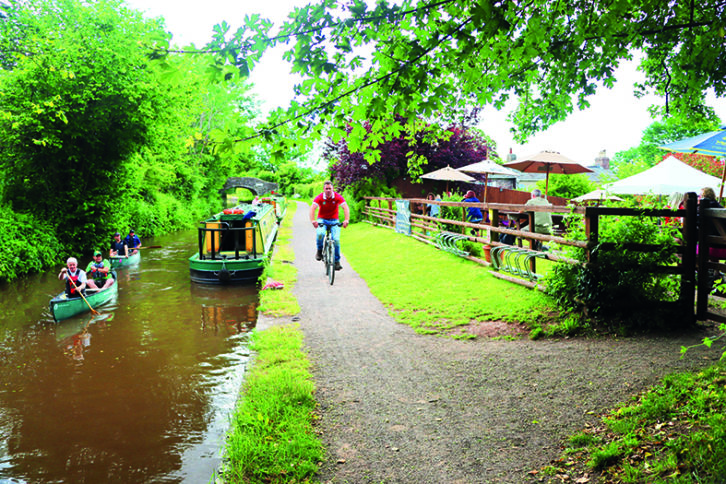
pixel 447 241
pixel 515 260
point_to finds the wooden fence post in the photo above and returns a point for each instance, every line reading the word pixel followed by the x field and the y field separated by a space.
pixel 494 236
pixel 688 264
pixel 702 265
pixel 591 230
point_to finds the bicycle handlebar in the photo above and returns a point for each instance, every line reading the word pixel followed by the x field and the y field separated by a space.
pixel 328 226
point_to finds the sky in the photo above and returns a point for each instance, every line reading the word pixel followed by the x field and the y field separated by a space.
pixel 614 121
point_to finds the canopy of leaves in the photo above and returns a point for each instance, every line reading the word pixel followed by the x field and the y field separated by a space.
pixel 97 134
pixel 436 58
pixel 73 105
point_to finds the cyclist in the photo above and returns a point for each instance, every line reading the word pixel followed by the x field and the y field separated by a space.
pixel 327 205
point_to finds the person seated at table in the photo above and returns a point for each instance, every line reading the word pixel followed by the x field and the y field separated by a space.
pixel 432 209
pixel 707 199
pixel 542 220
pixel 474 214
pixel 508 239
pixel 99 272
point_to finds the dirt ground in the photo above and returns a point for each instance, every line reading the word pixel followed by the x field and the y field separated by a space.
pixel 397 407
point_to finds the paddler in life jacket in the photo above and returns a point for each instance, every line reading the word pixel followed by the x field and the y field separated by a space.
pixel 118 247
pixel 132 241
pixel 98 272
pixel 73 273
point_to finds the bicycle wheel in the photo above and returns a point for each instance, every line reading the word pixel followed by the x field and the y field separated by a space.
pixel 331 259
pixel 326 256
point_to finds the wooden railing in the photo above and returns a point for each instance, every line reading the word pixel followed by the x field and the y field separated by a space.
pixel 716 217
pixel 384 214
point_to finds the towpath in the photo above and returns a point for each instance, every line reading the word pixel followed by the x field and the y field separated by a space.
pixel 397 407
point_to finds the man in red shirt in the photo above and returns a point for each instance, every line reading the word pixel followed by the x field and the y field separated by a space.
pixel 327 205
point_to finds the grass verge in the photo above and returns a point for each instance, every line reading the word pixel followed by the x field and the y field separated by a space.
pixel 675 433
pixel 434 291
pixel 272 439
pixel 281 302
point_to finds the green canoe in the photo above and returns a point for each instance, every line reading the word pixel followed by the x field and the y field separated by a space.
pixel 62 307
pixel 119 262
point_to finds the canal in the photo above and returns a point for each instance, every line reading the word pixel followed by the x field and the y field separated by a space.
pixel 140 393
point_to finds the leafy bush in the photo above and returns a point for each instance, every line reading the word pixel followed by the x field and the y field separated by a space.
pixel 473 248
pixel 567 186
pixel 355 205
pixel 452 213
pixel 28 245
pixel 306 190
pixel 162 214
pixel 373 188
pixel 616 288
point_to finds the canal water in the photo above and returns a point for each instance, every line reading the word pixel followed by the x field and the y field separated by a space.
pixel 140 393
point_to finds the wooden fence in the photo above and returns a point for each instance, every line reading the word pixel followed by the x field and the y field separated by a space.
pixel 382 212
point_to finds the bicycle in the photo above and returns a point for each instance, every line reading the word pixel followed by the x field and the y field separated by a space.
pixel 329 252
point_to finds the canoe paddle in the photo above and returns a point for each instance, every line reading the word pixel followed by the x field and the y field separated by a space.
pixel 84 297
pixel 147 247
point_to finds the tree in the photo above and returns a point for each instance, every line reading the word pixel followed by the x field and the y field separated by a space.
pixel 567 186
pixel 72 107
pixel 707 164
pixel 108 134
pixel 648 154
pixel 437 58
pixel 457 146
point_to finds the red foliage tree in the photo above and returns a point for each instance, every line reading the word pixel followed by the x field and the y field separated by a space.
pixel 463 147
pixel 705 163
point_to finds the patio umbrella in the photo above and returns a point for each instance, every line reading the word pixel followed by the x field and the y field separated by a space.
pixel 448 174
pixel 712 143
pixel 487 167
pixel 666 178
pixel 548 162
pixel 596 196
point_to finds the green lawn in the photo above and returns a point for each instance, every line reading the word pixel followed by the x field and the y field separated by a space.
pixel 432 290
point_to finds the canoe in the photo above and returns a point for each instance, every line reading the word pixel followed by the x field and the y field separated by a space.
pixel 119 262
pixel 233 245
pixel 62 307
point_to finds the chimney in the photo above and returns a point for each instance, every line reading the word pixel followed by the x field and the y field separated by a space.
pixel 511 156
pixel 602 160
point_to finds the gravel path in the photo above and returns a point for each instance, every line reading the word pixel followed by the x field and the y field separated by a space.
pixel 398 407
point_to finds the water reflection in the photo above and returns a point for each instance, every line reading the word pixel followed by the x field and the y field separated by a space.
pixel 140 393
pixel 73 341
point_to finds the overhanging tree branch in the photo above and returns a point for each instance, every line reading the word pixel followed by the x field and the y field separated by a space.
pixel 364 85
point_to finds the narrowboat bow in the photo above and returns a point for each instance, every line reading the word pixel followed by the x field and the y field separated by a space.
pixel 234 244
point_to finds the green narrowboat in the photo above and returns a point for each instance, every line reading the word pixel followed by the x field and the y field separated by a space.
pixel 278 202
pixel 63 307
pixel 120 262
pixel 233 245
